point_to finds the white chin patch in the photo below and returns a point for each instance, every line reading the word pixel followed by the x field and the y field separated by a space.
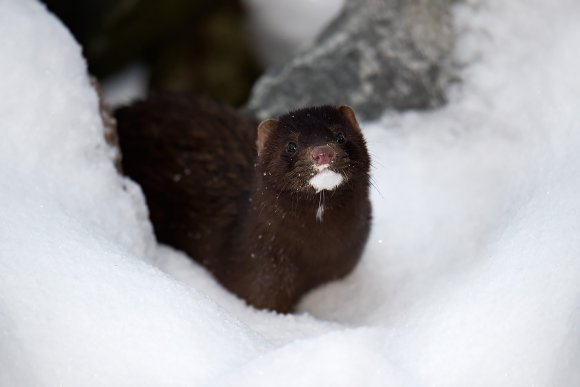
pixel 326 179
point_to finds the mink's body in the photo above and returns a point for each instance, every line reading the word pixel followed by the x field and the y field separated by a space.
pixel 193 159
pixel 269 227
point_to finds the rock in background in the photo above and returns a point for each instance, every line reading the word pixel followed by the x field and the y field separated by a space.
pixel 376 54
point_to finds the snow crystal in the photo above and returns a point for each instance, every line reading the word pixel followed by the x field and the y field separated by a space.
pixel 470 276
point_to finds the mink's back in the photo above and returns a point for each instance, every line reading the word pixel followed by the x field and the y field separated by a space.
pixel 194 160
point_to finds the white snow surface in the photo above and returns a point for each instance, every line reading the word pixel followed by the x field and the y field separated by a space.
pixel 470 277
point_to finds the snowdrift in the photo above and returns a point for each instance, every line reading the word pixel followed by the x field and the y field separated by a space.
pixel 470 277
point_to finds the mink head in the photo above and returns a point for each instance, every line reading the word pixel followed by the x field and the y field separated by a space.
pixel 313 149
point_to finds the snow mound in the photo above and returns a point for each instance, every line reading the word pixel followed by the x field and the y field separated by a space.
pixel 470 277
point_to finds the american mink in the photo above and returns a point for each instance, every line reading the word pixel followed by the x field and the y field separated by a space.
pixel 272 212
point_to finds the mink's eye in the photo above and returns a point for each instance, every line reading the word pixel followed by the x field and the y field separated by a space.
pixel 291 147
pixel 340 138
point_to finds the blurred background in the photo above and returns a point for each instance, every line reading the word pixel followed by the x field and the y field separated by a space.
pixel 213 47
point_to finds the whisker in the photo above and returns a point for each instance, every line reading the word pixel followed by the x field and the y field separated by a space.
pixel 375 161
pixel 375 186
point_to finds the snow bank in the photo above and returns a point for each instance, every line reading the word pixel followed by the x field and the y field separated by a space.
pixel 470 277
pixel 79 304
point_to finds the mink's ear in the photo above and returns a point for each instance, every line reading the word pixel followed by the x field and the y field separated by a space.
pixel 265 129
pixel 349 115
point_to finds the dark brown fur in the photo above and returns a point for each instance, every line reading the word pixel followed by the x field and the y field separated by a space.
pixel 250 220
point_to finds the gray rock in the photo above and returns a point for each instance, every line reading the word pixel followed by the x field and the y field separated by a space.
pixel 376 54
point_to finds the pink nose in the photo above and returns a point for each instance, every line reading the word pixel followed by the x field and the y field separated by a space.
pixel 322 155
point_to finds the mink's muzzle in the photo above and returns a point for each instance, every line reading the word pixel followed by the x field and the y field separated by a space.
pixel 284 172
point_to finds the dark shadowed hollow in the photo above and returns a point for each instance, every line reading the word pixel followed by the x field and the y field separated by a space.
pixel 198 46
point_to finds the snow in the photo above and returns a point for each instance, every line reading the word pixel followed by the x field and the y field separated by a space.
pixel 126 86
pixel 470 277
pixel 279 28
